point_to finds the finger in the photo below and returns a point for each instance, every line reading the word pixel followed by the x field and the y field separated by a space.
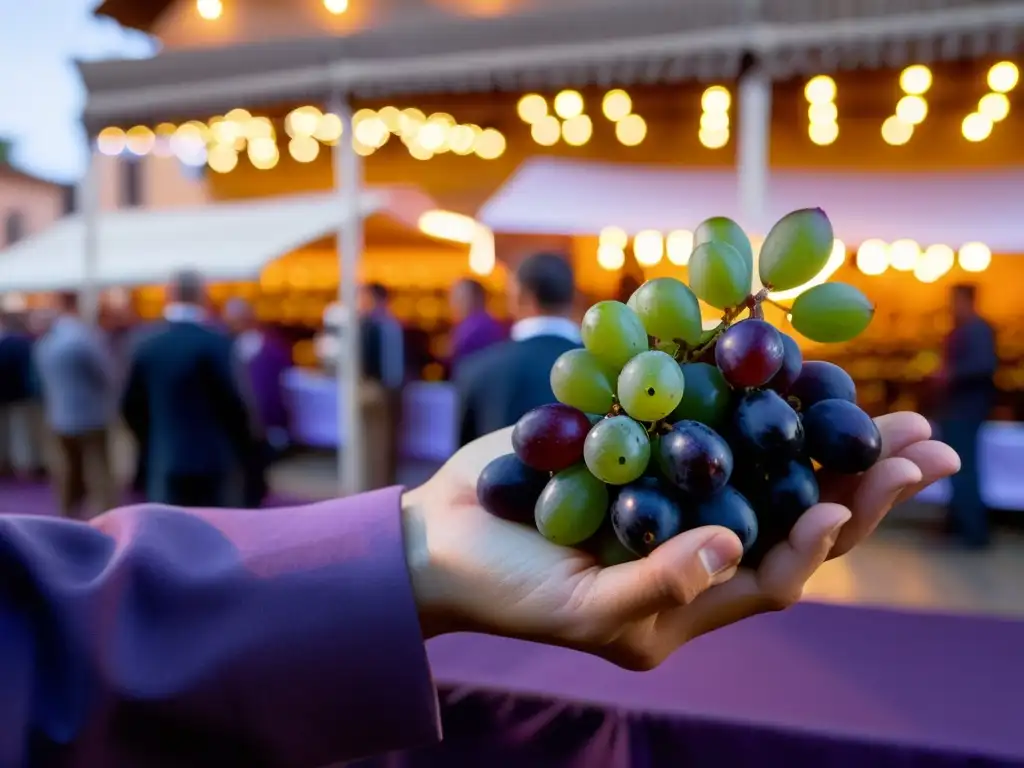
pixel 935 460
pixel 898 431
pixel 876 494
pixel 777 584
pixel 673 575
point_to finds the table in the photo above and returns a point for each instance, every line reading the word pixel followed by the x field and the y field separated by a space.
pixel 428 433
pixel 818 685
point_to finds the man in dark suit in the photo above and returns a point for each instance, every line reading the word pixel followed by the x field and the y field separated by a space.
pixel 184 401
pixel 968 376
pixel 501 383
pixel 382 343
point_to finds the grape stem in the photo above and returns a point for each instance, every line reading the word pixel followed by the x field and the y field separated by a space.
pixel 751 303
pixel 783 307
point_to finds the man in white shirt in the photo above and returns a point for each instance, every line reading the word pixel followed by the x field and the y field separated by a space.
pixel 501 383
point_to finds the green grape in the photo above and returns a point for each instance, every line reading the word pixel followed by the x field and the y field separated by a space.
pixel 579 380
pixel 613 333
pixel 609 551
pixel 650 386
pixel 707 397
pixel 724 230
pixel 832 312
pixel 572 506
pixel 796 249
pixel 668 310
pixel 718 275
pixel 617 450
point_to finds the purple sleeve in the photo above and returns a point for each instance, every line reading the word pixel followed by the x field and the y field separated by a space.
pixel 160 636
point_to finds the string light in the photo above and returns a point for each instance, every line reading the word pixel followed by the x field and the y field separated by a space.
pixel 568 104
pixel 822 112
pixel 974 257
pixel 873 257
pixel 616 105
pixel 631 130
pixel 714 120
pixel 211 10
pixel 915 80
pixel 337 7
pixel 1003 77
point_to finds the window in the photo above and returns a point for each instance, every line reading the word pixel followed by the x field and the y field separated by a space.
pixel 131 183
pixel 14 227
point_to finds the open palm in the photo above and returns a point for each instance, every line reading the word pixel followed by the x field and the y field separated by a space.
pixel 499 577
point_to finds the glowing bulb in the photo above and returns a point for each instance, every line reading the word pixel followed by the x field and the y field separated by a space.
pixel 824 134
pixel 916 80
pixel 904 255
pixel 111 141
pixel 912 109
pixel 490 144
pixel 577 131
pixel 210 10
pixel 714 122
pixel 873 257
pixel 1003 77
pixel 823 112
pixel 531 108
pixel 820 89
pixel 615 237
pixel 329 129
pixel 648 247
pixel 222 158
pixel 976 127
pixel 896 132
pixel 679 246
pixel 337 7
pixel 716 99
pixel 304 149
pixel 937 260
pixel 616 105
pixel 974 257
pixel 994 106
pixel 713 139
pixel 631 130
pixel 610 258
pixel 140 140
pixel 568 104
pixel 546 131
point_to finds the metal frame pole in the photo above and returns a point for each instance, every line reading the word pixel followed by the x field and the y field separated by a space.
pixel 752 161
pixel 348 185
pixel 89 205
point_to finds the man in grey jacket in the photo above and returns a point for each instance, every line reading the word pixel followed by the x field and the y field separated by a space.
pixel 79 383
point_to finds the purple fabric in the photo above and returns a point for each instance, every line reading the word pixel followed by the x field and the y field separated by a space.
pixel 814 686
pixel 265 368
pixel 478 331
pixel 166 637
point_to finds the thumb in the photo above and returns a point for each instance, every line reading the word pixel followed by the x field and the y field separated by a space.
pixel 673 575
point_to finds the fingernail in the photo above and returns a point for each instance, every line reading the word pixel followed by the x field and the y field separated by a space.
pixel 720 553
pixel 833 532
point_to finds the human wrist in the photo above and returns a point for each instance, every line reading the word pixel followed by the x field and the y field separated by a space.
pixel 425 569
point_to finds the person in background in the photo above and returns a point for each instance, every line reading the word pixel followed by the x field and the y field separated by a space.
pixel 17 377
pixel 968 388
pixel 475 328
pixel 262 358
pixel 79 384
pixel 501 383
pixel 382 345
pixel 184 403
pixel 294 638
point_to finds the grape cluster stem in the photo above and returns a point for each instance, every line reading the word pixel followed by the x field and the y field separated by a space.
pixel 752 304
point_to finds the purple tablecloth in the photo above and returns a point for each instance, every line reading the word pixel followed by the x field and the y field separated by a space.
pixel 817 686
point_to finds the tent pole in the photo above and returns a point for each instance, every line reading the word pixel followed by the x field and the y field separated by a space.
pixel 348 183
pixel 88 204
pixel 752 161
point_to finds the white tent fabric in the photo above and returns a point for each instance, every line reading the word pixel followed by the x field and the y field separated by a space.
pixel 224 241
pixel 557 196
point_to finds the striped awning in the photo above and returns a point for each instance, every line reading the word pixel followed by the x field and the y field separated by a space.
pixel 615 41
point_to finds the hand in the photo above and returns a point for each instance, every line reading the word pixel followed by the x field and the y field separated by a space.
pixel 474 572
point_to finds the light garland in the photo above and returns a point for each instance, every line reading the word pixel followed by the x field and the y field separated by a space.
pixel 928 265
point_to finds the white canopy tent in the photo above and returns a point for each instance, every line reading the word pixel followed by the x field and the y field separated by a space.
pixel 225 241
pixel 557 196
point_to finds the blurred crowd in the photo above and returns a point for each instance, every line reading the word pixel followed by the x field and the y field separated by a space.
pixel 201 394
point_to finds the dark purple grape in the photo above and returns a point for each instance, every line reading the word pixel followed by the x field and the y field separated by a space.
pixel 550 438
pixel 509 489
pixel 606 547
pixel 729 509
pixel 841 437
pixel 819 381
pixel 645 516
pixel 695 459
pixel 749 353
pixel 765 429
pixel 781 497
pixel 792 363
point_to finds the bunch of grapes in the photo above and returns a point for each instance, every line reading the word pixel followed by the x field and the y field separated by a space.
pixel 662 426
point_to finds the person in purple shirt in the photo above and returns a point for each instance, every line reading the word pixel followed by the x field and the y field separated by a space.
pixel 294 638
pixel 475 328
